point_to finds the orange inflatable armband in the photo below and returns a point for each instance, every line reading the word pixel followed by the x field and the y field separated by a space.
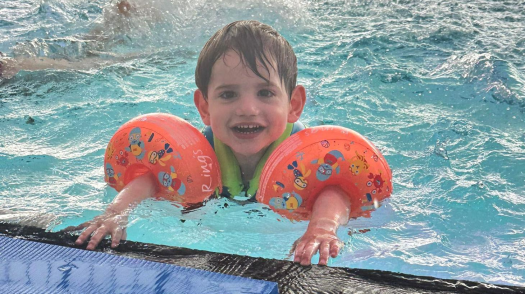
pixel 317 157
pixel 178 155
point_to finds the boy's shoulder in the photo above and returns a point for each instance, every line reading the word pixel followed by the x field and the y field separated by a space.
pixel 208 133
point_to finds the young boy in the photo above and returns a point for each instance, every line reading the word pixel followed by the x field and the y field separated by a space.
pixel 247 95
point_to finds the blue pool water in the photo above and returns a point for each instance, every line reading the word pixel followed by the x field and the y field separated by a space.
pixel 439 87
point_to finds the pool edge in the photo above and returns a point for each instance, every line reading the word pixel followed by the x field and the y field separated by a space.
pixel 290 277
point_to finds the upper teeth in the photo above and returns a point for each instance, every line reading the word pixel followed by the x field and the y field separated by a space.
pixel 248 126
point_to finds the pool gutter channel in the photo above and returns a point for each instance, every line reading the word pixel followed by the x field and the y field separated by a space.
pixel 291 277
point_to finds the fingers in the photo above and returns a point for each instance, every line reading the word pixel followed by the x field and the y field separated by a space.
pixel 124 234
pixel 99 228
pixel 299 249
pixel 335 247
pixel 99 234
pixel 85 235
pixel 324 251
pixel 305 249
pixel 309 251
pixel 116 236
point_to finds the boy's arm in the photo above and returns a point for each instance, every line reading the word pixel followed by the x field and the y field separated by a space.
pixel 114 220
pixel 331 209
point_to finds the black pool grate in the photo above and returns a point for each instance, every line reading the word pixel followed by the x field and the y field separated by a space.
pixel 291 277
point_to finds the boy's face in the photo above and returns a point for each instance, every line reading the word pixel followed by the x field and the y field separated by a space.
pixel 244 111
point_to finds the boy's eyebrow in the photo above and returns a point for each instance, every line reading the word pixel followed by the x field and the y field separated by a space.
pixel 236 86
pixel 226 86
pixel 266 84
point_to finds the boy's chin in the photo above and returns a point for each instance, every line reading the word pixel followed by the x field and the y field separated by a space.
pixel 248 152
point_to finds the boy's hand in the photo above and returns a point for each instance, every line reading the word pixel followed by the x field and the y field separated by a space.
pixel 114 221
pixel 316 239
pixel 331 209
pixel 109 223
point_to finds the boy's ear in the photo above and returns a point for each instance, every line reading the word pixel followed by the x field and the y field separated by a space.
pixel 202 106
pixel 297 102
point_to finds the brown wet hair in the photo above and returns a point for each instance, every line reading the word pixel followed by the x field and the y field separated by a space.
pixel 254 42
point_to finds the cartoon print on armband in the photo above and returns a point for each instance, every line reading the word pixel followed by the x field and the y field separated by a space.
pixel 289 201
pixel 278 186
pixel 122 158
pixel 172 182
pixel 136 145
pixel 375 182
pixel 160 156
pixel 300 176
pixel 111 177
pixel 357 164
pixel 327 165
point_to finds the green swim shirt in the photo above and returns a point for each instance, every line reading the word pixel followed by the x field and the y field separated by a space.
pixel 233 186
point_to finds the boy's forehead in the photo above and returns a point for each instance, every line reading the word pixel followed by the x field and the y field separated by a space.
pixel 231 63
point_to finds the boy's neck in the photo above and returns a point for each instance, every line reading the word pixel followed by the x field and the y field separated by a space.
pixel 248 164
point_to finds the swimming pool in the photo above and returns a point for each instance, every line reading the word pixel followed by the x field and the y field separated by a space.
pixel 439 88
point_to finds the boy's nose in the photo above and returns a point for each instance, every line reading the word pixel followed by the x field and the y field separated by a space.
pixel 247 107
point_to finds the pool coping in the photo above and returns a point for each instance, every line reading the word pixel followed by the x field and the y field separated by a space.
pixel 291 277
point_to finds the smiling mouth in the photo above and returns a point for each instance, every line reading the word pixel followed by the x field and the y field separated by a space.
pixel 248 129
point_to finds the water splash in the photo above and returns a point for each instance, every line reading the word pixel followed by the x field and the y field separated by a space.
pixel 440 150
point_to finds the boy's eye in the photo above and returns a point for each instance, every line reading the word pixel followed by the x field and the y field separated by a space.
pixel 265 93
pixel 227 95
